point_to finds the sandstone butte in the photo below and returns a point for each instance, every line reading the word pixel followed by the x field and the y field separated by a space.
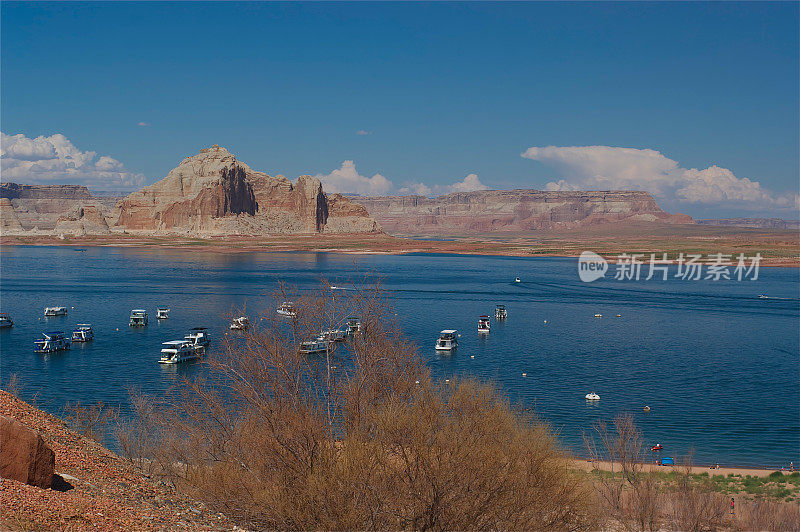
pixel 212 194
pixel 487 211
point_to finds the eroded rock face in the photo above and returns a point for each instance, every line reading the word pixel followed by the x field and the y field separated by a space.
pixel 17 191
pixel 9 221
pixel 512 211
pixel 24 456
pixel 212 193
pixel 83 220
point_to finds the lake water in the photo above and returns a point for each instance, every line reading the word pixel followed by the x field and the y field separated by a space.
pixel 717 365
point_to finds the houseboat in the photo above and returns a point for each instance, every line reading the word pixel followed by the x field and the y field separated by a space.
pixel 287 309
pixel 240 324
pixel 448 340
pixel 5 321
pixel 353 325
pixel 83 333
pixel 198 337
pixel 317 345
pixel 55 311
pixel 176 351
pixel 591 396
pixel 500 312
pixel 138 318
pixel 162 313
pixel 52 341
pixel 334 335
pixel 484 325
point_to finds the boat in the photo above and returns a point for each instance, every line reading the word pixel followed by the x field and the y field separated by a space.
pixel 448 340
pixel 517 280
pixel 176 351
pixel 500 312
pixel 5 321
pixel 484 324
pixel 591 396
pixel 598 315
pixel 52 341
pixel 353 325
pixel 657 447
pixel 287 309
pixel 138 318
pixel 83 333
pixel 198 336
pixel 55 311
pixel 317 345
pixel 334 335
pixel 762 296
pixel 162 313
pixel 240 324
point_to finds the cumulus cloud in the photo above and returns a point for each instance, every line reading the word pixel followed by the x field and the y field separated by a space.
pixel 468 184
pixel 608 167
pixel 347 180
pixel 143 124
pixel 363 132
pixel 55 160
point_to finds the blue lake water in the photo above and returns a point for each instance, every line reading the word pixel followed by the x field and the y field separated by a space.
pixel 718 366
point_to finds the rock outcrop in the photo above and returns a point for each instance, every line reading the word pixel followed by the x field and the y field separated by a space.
pixel 512 211
pixel 212 193
pixel 83 220
pixel 24 456
pixel 756 223
pixel 17 191
pixel 39 207
pixel 9 221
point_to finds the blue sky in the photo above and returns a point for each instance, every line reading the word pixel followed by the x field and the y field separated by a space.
pixel 649 92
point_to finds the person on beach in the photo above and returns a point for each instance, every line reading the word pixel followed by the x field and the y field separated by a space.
pixel 733 505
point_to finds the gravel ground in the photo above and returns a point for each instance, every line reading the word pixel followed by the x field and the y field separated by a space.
pixel 107 494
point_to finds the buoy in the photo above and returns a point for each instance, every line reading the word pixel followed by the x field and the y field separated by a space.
pixel 598 315
pixel 619 315
pixel 545 321
pixel 524 374
pixel 472 356
pixel 447 380
pixel 646 408
pixel 117 328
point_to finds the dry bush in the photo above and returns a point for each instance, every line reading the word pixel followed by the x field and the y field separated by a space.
pixel 693 505
pixel 357 438
pixel 14 386
pixel 91 421
pixel 760 514
pixel 138 436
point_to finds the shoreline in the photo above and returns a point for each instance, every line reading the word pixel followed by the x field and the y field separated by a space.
pixel 382 244
pixel 588 465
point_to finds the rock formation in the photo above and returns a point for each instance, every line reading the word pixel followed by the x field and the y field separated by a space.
pixel 212 193
pixel 9 221
pixel 756 223
pixel 41 206
pixel 512 211
pixel 23 454
pixel 17 191
pixel 83 220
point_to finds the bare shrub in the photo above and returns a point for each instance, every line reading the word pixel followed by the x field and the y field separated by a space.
pixel 693 504
pixel 358 437
pixel 760 514
pixel 14 386
pixel 90 421
pixel 138 436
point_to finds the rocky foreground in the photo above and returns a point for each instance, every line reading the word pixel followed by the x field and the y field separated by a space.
pixel 94 489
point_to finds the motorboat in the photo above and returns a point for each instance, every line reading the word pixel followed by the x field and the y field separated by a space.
pixel 138 318
pixel 52 341
pixel 484 325
pixel 517 280
pixel 353 325
pixel 287 309
pixel 55 311
pixel 762 296
pixel 162 313
pixel 6 321
pixel 198 337
pixel 591 396
pixel 176 351
pixel 317 345
pixel 500 312
pixel 657 447
pixel 83 333
pixel 240 324
pixel 448 340
pixel 334 335
pixel 598 315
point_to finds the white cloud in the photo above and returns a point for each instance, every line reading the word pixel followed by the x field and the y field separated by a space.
pixel 608 167
pixel 363 132
pixel 55 160
pixel 468 184
pixel 347 180
pixel 143 124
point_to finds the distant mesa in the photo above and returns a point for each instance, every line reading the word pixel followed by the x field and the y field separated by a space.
pixel 756 223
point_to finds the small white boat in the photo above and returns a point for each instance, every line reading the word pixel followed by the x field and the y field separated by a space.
pixel 198 337
pixel 176 351
pixel 484 324
pixel 598 315
pixel 448 340
pixel 500 312
pixel 138 318
pixel 83 333
pixel 317 345
pixel 240 324
pixel 162 313
pixel 287 309
pixel 517 280
pixel 353 326
pixel 6 321
pixel 762 296
pixel 334 335
pixel 52 341
pixel 591 396
pixel 55 311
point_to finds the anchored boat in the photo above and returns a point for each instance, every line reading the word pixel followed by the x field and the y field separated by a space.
pixel 317 345
pixel 162 313
pixel 176 351
pixel 240 324
pixel 287 309
pixel 448 340
pixel 6 321
pixel 52 341
pixel 138 318
pixel 198 337
pixel 83 333
pixel 334 335
pixel 55 311
pixel 500 312
pixel 484 324
pixel 591 396
pixel 353 326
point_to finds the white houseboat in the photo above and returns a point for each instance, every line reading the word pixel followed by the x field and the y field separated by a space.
pixel 317 345
pixel 83 333
pixel 334 335
pixel 198 337
pixel 240 324
pixel 5 321
pixel 500 312
pixel 484 324
pixel 287 309
pixel 138 318
pixel 448 340
pixel 353 325
pixel 52 341
pixel 55 311
pixel 162 313
pixel 176 351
